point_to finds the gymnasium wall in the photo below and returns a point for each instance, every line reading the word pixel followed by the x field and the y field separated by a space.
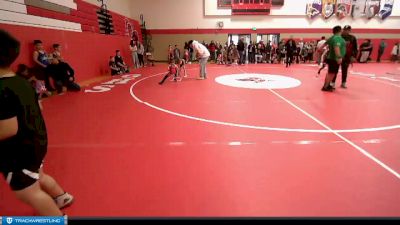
pixel 170 24
pixel 71 23
pixel 204 14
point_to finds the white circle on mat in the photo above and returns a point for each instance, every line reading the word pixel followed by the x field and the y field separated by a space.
pixel 258 81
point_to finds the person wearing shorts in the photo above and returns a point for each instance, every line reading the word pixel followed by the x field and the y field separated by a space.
pixel 337 46
pixel 23 138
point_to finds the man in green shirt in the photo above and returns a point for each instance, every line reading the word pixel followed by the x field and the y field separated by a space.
pixel 349 57
pixel 381 49
pixel 337 50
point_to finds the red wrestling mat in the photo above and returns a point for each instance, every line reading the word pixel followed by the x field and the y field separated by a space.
pixel 203 148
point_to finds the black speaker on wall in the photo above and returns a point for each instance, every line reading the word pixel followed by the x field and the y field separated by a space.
pixel 105 22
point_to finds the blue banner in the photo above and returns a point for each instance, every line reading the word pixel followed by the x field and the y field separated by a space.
pixel 17 220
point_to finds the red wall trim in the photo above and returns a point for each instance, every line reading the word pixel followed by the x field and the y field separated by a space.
pixel 272 30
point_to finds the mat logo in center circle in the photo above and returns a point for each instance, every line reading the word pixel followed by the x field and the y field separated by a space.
pixel 253 79
pixel 258 81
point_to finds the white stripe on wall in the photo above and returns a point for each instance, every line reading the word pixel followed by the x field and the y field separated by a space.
pixel 17 1
pixel 12 6
pixel 67 3
pixel 14 18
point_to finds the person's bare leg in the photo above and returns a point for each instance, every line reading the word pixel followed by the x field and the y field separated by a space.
pixel 39 200
pixel 328 79
pixel 49 185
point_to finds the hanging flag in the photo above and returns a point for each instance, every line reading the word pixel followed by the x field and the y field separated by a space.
pixel 314 9
pixel 386 10
pixel 328 8
pixel 358 8
pixel 372 8
pixel 343 8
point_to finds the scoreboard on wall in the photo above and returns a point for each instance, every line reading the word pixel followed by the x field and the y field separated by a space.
pixel 250 7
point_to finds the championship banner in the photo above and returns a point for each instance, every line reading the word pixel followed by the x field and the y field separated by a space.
pixel 358 8
pixel 343 8
pixel 328 8
pixel 386 10
pixel 314 9
pixel 372 8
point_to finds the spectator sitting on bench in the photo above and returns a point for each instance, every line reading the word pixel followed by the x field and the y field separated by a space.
pixel 120 62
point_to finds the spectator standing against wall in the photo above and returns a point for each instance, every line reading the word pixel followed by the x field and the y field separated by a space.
pixel 202 54
pixel 134 51
pixel 213 51
pixel 140 54
pixel 290 49
pixel 241 48
pixel 252 52
pixel 381 49
pixel 41 59
pixel 395 52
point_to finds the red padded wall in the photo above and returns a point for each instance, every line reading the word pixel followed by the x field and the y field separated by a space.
pixel 88 53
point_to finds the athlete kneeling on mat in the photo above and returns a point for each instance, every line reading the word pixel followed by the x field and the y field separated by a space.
pixel 172 70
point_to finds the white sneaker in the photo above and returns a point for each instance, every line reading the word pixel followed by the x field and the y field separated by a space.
pixel 64 200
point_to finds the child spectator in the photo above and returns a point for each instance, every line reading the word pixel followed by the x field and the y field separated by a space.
pixel 172 71
pixel 235 55
pixel 134 50
pixel 119 61
pixel 57 55
pixel 63 76
pixel 170 53
pixel 57 52
pixel 23 139
pixel 39 86
pixel 395 52
pixel 212 47
pixel 177 54
pixel 186 56
pixel 149 59
pixel 115 70
pixel 140 53
pixel 41 59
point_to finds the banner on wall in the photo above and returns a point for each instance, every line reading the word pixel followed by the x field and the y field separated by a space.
pixel 358 8
pixel 314 9
pixel 328 8
pixel 343 8
pixel 386 10
pixel 372 8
